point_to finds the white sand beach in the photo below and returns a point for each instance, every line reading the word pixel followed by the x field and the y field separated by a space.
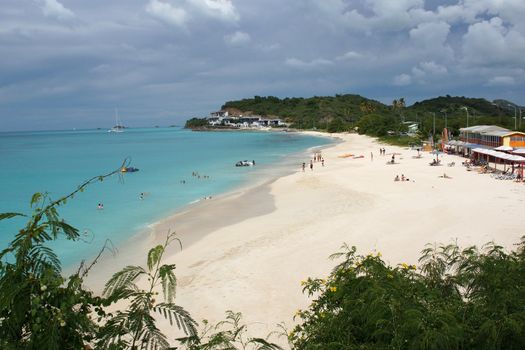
pixel 249 251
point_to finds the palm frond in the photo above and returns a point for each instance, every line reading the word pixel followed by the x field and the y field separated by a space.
pixel 125 278
pixel 37 197
pixel 168 281
pixel 154 256
pixel 44 258
pixel 176 313
pixel 9 215
pixel 151 337
pixel 262 344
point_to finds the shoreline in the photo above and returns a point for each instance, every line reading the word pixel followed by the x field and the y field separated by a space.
pixel 283 231
pixel 134 250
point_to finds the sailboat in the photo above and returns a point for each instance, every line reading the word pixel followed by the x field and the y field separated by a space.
pixel 118 127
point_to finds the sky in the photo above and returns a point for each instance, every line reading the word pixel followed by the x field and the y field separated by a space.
pixel 70 63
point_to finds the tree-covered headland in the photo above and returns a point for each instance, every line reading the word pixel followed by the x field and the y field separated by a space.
pixel 354 112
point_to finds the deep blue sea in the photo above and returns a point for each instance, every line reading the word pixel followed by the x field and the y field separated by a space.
pixel 57 162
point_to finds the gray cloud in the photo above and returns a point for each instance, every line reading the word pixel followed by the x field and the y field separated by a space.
pixel 68 63
pixel 53 8
pixel 237 38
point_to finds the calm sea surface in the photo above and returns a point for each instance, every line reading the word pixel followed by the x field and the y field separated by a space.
pixel 57 162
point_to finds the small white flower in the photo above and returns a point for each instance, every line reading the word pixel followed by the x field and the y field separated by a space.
pixel 43 287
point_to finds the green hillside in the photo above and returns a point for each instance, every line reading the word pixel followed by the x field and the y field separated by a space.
pixel 345 112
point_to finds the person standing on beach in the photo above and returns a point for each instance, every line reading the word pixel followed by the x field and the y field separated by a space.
pixel 372 156
pixel 304 166
pixel 311 165
pixel 322 161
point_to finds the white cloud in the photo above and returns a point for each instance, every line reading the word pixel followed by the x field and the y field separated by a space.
pixel 492 42
pixel 387 8
pixel 426 70
pixel 418 73
pixel 297 63
pixel 238 38
pixel 53 8
pixel 501 81
pixel 348 56
pixel 402 80
pixel 433 68
pixel 269 47
pixel 167 13
pixel 180 14
pixel 430 34
pixel 219 9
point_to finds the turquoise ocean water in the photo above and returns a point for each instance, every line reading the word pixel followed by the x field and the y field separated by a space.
pixel 57 162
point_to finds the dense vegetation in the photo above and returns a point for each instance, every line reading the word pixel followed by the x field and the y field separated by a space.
pixel 345 112
pixel 195 123
pixel 455 299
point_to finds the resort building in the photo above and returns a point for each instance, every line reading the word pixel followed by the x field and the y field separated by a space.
pixel 491 136
pixel 412 127
pixel 219 114
pixel 251 121
pixel 514 139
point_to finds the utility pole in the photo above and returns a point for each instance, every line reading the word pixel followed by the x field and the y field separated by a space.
pixel 515 119
pixel 434 125
pixel 515 116
pixel 466 110
pixel 445 111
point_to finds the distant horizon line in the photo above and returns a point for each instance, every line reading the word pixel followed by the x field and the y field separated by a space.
pixel 91 129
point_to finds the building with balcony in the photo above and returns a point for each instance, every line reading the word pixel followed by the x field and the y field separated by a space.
pixel 491 136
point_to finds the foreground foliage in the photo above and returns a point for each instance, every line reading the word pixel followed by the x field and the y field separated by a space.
pixel 456 299
pixel 40 309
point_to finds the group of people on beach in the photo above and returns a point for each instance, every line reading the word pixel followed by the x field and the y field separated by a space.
pixel 402 178
pixel 316 158
pixel 382 152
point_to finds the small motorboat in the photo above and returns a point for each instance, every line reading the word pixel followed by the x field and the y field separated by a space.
pixel 245 163
pixel 129 169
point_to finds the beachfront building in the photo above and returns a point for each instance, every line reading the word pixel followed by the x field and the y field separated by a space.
pixel 244 122
pixel 483 136
pixel 412 127
pixel 219 114
pixel 487 137
pixel 514 139
pixel 491 136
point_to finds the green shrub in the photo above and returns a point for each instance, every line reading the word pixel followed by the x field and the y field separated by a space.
pixel 456 299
